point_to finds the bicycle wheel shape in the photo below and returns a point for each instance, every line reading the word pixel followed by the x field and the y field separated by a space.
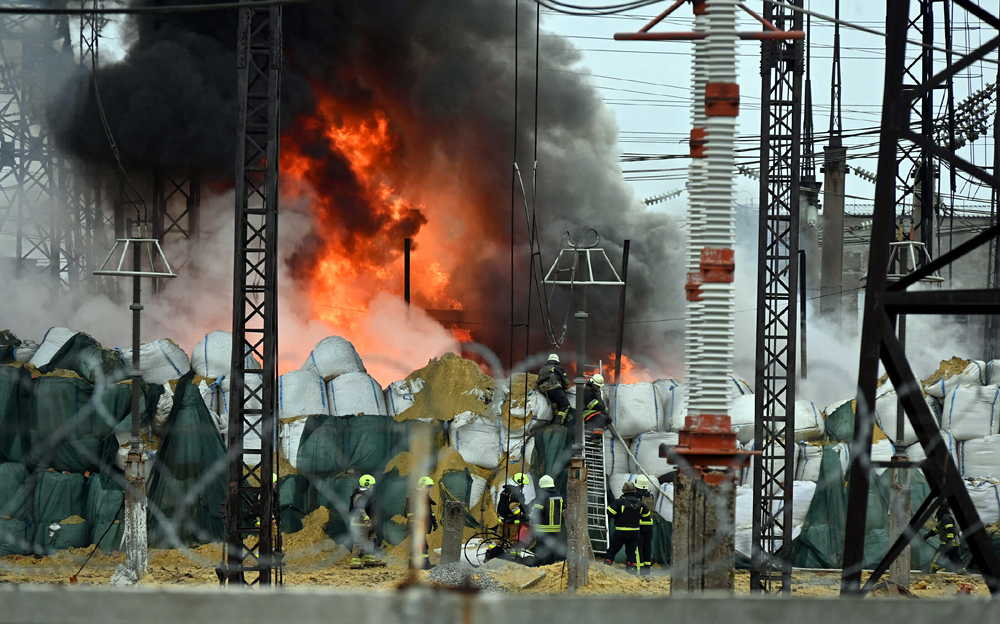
pixel 480 547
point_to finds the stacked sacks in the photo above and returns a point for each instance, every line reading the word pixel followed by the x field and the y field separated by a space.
pixel 78 353
pixel 646 450
pixel 971 412
pixel 58 512
pixel 355 393
pixel 213 356
pixel 477 440
pixel 399 395
pixel 301 394
pixel 52 342
pixel 15 510
pixel 332 357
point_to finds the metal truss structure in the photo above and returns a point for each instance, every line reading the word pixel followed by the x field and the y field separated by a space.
pixel 777 279
pixel 902 99
pixel 252 553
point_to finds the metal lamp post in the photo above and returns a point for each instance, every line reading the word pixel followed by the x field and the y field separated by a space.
pixel 135 490
pixel 581 275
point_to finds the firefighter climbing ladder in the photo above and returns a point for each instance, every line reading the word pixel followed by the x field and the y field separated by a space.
pixel 597 502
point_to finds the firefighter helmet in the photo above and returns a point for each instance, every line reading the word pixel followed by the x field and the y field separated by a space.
pixel 522 479
pixel 425 482
pixel 598 379
pixel 554 357
pixel 641 482
pixel 366 481
pixel 546 482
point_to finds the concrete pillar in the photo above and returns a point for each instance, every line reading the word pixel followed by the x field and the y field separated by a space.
pixel 834 170
pixel 704 534
pixel 579 552
pixel 452 523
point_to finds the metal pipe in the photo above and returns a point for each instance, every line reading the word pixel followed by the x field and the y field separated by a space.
pixel 136 554
pixel 802 312
pixel 406 270
pixel 621 312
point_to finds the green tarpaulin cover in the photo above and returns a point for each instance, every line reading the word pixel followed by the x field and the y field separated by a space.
pixel 58 496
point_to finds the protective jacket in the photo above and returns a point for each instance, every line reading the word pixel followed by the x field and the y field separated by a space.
pixel 362 505
pixel 552 376
pixel 547 510
pixel 511 507
pixel 628 512
pixel 595 414
pixel 647 500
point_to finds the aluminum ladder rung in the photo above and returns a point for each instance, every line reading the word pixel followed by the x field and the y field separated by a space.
pixel 597 504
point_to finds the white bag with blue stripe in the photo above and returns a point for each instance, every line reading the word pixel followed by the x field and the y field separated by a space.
pixel 615 456
pixel 212 356
pixel 399 395
pixel 353 394
pixel 985 495
pixel 646 449
pixel 976 373
pixel 637 408
pixel 980 458
pixel 54 339
pixel 916 451
pixel 160 361
pixel 476 439
pixel 673 402
pixel 301 393
pixel 332 357
pixel 971 412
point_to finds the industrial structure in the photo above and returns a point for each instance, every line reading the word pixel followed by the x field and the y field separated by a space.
pixel 68 213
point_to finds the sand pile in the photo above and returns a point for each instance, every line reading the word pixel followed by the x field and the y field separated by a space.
pixel 949 368
pixel 451 385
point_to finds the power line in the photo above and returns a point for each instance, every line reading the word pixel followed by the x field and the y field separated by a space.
pixel 136 10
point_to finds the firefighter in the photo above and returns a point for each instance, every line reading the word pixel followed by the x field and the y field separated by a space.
pixel 423 489
pixel 627 512
pixel 361 512
pixel 552 382
pixel 547 513
pixel 513 511
pixel 947 532
pixel 645 525
pixel 595 414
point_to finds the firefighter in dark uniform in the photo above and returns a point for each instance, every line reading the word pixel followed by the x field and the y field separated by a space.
pixel 552 382
pixel 947 531
pixel 513 511
pixel 361 512
pixel 595 414
pixel 645 526
pixel 628 512
pixel 547 513
pixel 423 489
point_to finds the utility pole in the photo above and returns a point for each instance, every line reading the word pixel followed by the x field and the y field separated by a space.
pixel 587 265
pixel 831 304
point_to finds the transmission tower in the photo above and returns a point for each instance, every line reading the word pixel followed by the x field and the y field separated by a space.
pixel 252 553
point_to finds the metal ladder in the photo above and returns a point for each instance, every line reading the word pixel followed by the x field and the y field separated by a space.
pixel 597 493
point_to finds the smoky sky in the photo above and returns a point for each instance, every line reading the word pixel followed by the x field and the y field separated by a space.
pixel 444 72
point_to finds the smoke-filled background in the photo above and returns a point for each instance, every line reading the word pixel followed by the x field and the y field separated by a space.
pixel 397 121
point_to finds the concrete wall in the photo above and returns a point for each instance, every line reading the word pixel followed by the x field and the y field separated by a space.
pixel 69 605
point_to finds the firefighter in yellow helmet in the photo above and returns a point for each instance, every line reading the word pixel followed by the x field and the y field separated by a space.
pixel 513 511
pixel 361 512
pixel 424 485
pixel 946 530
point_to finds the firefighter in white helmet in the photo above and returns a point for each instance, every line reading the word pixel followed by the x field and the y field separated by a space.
pixel 595 414
pixel 552 382
pixel 547 522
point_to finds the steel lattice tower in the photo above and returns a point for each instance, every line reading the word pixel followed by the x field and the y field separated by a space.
pixel 252 554
pixel 781 93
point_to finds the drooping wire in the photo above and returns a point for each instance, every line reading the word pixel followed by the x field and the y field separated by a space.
pixel 513 193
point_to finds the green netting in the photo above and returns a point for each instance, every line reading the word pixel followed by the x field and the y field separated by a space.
pixel 323 450
pixel 821 541
pixel 8 346
pixel 67 536
pixel 15 538
pixel 840 424
pixel 390 492
pixel 370 442
pixel 552 454
pixel 72 419
pixel 297 501
pixel 58 496
pixel 188 483
pixel 105 512
pixel 15 491
pixel 16 397
pixel 84 356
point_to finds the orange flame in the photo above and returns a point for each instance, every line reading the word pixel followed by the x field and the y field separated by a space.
pixel 356 262
pixel 630 371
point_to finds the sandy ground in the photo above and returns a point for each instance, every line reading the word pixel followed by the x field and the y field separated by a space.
pixel 325 565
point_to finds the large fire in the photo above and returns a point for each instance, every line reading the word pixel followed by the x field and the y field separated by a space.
pixel 362 217
pixel 631 372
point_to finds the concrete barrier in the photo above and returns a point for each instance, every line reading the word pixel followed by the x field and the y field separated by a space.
pixel 69 605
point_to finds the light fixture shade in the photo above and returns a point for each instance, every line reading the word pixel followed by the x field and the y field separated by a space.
pixel 153 262
pixel 587 265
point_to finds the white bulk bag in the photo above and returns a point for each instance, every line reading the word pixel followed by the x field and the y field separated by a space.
pixel 54 340
pixel 160 361
pixel 976 373
pixel 213 355
pixel 738 388
pixel 971 412
pixel 646 449
pixel 882 451
pixel 635 409
pixel 665 502
pixel 985 494
pixel 741 415
pixel 809 423
pixel 25 351
pixel 332 357
pixel 802 495
pixel 915 452
pixel 476 491
pixel 223 401
pixel 744 507
pixel 980 458
pixel 513 441
pixel 671 396
pixel 539 405
pixel 289 436
pixel 885 415
pixel 399 395
pixel 746 473
pixel 807 461
pixel 615 455
pixel 301 393
pixel 163 407
pixel 476 439
pixel 355 393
